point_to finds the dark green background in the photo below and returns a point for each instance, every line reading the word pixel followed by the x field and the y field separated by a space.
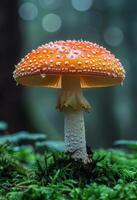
pixel 112 24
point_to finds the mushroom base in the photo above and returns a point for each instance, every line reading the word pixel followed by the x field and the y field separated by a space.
pixel 75 141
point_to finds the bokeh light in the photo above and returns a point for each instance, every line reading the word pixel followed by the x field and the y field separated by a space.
pixel 28 11
pixel 51 22
pixel 82 5
pixel 113 36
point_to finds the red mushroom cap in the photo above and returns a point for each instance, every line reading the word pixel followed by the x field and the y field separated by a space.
pixel 46 65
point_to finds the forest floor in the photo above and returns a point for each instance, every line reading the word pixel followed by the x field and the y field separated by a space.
pixel 26 175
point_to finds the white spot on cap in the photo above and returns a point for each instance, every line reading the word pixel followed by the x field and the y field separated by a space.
pixel 73 54
pixel 43 75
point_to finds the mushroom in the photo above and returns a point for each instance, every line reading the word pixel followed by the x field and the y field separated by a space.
pixel 71 66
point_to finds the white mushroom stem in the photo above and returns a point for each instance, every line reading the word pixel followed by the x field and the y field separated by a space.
pixel 74 130
pixel 73 103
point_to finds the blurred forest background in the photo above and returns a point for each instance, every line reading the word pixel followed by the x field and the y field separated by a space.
pixel 26 24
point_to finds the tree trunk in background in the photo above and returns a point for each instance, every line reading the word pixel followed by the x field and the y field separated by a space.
pixel 10 45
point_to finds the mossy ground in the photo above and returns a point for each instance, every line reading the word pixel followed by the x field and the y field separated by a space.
pixel 25 175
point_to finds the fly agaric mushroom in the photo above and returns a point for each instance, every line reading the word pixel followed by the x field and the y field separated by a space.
pixel 71 65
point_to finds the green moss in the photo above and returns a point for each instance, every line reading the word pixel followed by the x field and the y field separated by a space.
pixel 112 175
